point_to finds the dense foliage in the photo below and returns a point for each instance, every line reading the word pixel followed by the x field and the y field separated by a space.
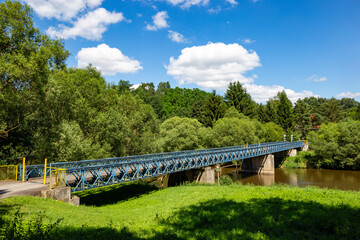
pixel 67 114
pixel 337 145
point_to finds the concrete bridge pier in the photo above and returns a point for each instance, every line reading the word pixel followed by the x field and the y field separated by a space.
pixel 207 176
pixel 260 165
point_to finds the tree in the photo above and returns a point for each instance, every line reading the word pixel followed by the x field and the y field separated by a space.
pixel 262 113
pixel 178 134
pixel 123 86
pixel 273 132
pixel 270 110
pixel 212 109
pixel 284 112
pixel 26 60
pixel 302 117
pixel 232 112
pixel 233 132
pixel 237 96
pixel 337 145
pixel 332 110
pixel 181 102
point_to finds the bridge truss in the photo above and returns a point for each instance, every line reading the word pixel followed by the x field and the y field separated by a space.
pixel 87 174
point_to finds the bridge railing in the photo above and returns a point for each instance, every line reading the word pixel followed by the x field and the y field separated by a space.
pixel 38 170
pixel 101 175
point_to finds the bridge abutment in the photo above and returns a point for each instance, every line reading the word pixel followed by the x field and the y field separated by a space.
pixel 292 152
pixel 305 148
pixel 261 164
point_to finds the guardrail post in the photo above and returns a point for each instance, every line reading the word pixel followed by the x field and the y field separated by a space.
pixel 45 171
pixel 23 170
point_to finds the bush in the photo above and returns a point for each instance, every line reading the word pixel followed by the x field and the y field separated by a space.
pixel 225 180
pixel 19 229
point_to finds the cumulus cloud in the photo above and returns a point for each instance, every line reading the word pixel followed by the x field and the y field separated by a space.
pixel 109 61
pixel 348 95
pixel 61 9
pixel 316 78
pixel 177 37
pixel 90 26
pixel 261 93
pixel 159 21
pixel 188 3
pixel 213 66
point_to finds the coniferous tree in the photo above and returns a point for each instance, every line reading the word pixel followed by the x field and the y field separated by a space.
pixel 237 96
pixel 284 112
pixel 332 110
pixel 213 109
pixel 270 109
pixel 302 117
pixel 262 114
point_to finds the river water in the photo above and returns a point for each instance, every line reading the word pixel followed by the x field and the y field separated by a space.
pixel 335 179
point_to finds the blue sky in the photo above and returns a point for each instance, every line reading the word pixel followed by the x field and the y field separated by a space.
pixel 307 47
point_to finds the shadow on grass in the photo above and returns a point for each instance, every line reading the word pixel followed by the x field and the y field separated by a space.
pixel 272 218
pixel 115 193
pixel 261 219
pixel 90 233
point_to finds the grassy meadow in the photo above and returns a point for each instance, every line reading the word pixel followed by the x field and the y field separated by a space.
pixel 140 211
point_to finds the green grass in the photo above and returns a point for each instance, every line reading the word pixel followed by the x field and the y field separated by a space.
pixel 302 160
pixel 200 212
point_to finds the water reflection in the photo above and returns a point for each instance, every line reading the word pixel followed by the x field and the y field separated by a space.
pixel 339 179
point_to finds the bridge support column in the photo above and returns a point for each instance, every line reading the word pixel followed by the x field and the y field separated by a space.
pixel 261 164
pixel 292 152
pixel 305 148
pixel 208 176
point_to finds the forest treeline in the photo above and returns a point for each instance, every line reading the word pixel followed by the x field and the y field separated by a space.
pixel 65 114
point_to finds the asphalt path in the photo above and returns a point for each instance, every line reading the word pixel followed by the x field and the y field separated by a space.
pixel 16 188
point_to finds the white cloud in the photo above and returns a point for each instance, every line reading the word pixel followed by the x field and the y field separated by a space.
pixel 90 26
pixel 232 2
pixel 188 3
pixel 214 10
pixel 61 9
pixel 159 21
pixel 248 41
pixel 348 95
pixel 261 93
pixel 316 78
pixel 213 66
pixel 135 86
pixel 109 61
pixel 177 37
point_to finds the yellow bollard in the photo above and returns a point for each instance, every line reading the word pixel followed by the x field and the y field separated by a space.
pixel 45 171
pixel 23 173
pixel 246 144
pixel 16 174
pixel 259 144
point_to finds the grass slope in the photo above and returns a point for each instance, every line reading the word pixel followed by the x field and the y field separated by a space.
pixel 201 212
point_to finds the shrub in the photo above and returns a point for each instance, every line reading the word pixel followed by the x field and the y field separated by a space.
pixel 34 229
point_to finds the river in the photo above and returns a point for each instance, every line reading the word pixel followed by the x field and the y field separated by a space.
pixel 335 179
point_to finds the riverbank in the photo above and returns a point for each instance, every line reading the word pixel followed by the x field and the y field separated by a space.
pixel 199 212
pixel 301 160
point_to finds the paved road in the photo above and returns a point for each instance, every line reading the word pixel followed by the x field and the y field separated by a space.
pixel 14 188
